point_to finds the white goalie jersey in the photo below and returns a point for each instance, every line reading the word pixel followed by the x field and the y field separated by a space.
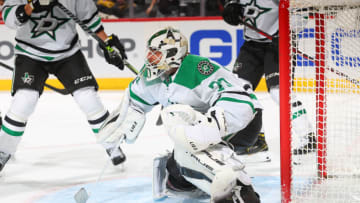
pixel 201 84
pixel 50 35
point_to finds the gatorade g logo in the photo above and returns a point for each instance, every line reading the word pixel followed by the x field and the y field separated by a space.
pixel 217 45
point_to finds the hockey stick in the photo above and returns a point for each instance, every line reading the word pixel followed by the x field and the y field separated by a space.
pixel 92 34
pixel 58 90
pixel 81 196
pixel 302 54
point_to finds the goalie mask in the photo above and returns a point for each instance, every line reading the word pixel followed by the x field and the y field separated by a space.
pixel 165 50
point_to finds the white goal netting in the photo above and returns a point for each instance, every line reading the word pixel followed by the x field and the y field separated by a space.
pixel 325 76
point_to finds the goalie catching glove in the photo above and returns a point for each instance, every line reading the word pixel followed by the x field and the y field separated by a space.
pixel 125 122
pixel 193 130
pixel 114 51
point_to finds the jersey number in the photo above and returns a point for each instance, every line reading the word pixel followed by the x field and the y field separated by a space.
pixel 220 84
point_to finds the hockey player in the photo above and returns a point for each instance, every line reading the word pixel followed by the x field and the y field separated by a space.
pixel 208 110
pixel 259 56
pixel 48 43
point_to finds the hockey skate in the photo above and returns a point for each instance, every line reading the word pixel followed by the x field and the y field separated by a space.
pixel 259 152
pixel 117 156
pixel 259 146
pixel 4 157
pixel 308 147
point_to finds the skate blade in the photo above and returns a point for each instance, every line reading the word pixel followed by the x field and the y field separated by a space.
pixel 81 196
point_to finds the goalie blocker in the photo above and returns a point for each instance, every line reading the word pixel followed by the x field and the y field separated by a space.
pixel 199 165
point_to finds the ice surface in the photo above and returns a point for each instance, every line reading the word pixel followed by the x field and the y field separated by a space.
pixel 58 155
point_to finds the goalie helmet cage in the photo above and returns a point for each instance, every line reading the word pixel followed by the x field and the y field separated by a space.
pixel 320 66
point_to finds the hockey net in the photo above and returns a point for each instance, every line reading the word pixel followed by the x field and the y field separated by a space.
pixel 320 66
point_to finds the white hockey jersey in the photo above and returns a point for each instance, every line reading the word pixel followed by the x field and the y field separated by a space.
pixel 50 35
pixel 262 14
pixel 201 84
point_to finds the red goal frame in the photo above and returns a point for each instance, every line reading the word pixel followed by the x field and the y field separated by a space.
pixel 285 52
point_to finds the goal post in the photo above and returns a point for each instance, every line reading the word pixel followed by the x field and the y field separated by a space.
pixel 320 65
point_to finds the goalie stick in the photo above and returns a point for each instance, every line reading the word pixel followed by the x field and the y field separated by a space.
pixel 58 90
pixel 92 34
pixel 81 196
pixel 302 54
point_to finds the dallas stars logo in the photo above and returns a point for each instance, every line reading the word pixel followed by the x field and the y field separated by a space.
pixel 47 24
pixel 28 79
pixel 253 12
pixel 205 67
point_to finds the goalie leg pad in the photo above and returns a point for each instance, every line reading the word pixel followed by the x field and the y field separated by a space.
pixel 167 180
pixel 130 127
pixel 216 171
pixel 160 176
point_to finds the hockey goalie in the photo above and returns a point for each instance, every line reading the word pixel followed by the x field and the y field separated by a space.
pixel 208 113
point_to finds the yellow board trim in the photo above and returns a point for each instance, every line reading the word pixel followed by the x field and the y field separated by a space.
pixel 301 85
pixel 106 84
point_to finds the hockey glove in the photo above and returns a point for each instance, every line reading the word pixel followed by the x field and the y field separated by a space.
pixel 233 12
pixel 41 5
pixel 114 51
pixel 21 14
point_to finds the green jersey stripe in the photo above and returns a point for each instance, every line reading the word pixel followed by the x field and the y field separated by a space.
pixel 7 11
pixel 49 58
pixel 95 24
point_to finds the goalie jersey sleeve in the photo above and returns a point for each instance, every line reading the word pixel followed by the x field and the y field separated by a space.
pixel 201 84
pixel 50 35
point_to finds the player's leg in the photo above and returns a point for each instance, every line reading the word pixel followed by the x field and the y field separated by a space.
pixel 3 156
pixel 300 122
pixel 249 136
pixel 249 63
pixel 250 66
pixel 75 75
pixel 28 84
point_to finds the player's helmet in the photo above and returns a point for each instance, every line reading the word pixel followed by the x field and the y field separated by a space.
pixel 165 50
